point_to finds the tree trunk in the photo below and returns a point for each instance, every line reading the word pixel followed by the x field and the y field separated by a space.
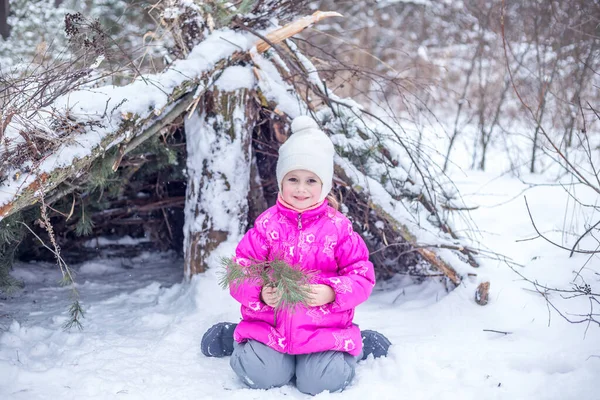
pixel 461 102
pixel 486 137
pixel 4 27
pixel 583 69
pixel 219 154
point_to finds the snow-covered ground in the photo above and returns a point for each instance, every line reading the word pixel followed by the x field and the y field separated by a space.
pixel 143 325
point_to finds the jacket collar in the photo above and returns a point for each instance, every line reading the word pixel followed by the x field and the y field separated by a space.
pixel 307 215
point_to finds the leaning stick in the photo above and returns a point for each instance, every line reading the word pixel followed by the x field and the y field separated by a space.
pixel 289 30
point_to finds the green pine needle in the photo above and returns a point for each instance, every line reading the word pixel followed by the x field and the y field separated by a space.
pixel 85 225
pixel 291 282
pixel 75 314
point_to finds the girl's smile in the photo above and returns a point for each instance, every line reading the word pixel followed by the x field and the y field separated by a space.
pixel 301 189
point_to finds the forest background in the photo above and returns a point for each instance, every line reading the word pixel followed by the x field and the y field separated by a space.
pixel 494 88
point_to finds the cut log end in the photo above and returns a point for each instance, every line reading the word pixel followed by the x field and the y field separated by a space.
pixel 293 28
pixel 482 293
pixel 5 210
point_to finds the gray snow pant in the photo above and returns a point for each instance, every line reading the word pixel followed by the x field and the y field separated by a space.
pixel 261 367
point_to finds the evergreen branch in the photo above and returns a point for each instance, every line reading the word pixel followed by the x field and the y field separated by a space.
pixel 85 225
pixel 234 274
pixel 75 313
pixel 290 281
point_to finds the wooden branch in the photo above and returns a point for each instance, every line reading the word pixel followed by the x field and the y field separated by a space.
pixel 179 99
pixel 426 253
pixel 293 28
pixel 50 181
pixel 175 112
pixel 433 258
pixel 453 208
pixel 495 331
pixel 404 231
pixel 141 208
pixel 437 246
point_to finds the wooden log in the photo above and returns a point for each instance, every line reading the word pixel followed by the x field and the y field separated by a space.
pixel 219 155
pixel 49 181
pixel 482 294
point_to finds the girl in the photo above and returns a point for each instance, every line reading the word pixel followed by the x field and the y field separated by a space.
pixel 318 345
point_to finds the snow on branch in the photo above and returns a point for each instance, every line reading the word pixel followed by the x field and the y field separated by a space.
pixel 89 121
pixel 106 116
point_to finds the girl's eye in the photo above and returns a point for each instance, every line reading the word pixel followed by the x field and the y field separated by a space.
pixel 312 181
pixel 292 180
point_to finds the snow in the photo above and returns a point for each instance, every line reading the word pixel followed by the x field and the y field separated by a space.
pixel 144 323
pixel 276 89
pixel 120 241
pixel 235 77
pixel 217 204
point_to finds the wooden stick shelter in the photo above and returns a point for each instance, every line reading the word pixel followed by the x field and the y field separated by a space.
pixel 376 189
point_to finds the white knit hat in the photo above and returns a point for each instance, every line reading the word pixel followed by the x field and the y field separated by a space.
pixel 308 148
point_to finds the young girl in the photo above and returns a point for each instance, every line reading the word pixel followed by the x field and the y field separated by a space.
pixel 318 345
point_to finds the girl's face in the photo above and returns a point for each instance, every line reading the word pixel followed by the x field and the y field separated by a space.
pixel 301 189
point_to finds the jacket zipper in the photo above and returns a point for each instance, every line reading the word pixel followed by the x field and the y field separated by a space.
pixel 299 221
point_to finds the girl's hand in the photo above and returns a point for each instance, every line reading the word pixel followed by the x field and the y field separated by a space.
pixel 270 296
pixel 321 295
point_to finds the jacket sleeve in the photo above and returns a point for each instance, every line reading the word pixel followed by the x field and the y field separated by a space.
pixel 253 247
pixel 356 278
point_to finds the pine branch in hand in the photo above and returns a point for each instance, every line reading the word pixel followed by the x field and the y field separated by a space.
pixel 232 275
pixel 290 281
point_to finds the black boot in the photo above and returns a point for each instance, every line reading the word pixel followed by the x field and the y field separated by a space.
pixel 218 340
pixel 374 343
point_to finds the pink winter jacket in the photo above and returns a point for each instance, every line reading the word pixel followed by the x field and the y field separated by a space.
pixel 320 240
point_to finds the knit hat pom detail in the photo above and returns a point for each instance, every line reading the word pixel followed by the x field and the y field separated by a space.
pixel 303 124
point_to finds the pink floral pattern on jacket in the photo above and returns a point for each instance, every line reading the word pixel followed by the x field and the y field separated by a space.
pixel 320 240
